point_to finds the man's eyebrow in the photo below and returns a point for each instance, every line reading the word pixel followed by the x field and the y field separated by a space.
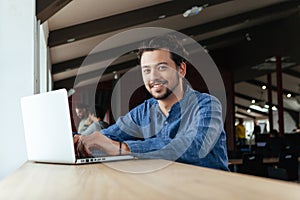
pixel 160 63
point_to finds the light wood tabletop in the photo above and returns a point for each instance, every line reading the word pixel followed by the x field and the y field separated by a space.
pixel 147 179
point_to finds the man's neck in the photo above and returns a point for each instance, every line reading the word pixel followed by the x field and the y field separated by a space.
pixel 166 104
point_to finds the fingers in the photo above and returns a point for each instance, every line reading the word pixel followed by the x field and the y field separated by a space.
pixel 82 148
pixel 96 141
pixel 75 142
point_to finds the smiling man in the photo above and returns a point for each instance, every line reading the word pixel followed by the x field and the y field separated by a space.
pixel 178 123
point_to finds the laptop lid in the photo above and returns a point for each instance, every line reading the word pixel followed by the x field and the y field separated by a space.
pixel 47 126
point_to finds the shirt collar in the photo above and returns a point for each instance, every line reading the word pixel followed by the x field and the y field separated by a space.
pixel 188 91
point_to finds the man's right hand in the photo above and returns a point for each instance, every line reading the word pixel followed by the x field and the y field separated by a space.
pixel 75 141
pixel 97 141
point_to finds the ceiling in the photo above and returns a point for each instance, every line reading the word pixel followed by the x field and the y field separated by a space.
pixel 242 37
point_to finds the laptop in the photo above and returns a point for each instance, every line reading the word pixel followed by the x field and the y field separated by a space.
pixel 48 130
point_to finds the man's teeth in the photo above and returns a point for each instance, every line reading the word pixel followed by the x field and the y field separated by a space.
pixel 157 85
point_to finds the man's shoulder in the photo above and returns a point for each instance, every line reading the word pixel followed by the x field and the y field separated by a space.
pixel 148 103
pixel 200 96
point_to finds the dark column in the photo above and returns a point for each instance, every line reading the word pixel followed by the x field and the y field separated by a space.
pixel 230 114
pixel 279 95
pixel 270 100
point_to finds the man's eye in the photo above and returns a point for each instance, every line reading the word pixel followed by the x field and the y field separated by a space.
pixel 146 71
pixel 162 67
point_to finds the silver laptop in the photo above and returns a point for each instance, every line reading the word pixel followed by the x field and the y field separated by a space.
pixel 48 131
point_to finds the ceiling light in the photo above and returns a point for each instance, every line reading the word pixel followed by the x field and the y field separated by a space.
pixel 255 107
pixel 195 10
pixel 116 75
pixel 253 101
pixel 274 108
pixel 248 38
pixel 249 110
pixel 162 16
pixel 283 59
pixel 289 95
pixel 263 87
pixel 71 40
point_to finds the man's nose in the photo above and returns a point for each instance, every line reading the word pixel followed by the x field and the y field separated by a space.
pixel 154 74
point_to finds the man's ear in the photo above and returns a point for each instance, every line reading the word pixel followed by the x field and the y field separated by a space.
pixel 182 69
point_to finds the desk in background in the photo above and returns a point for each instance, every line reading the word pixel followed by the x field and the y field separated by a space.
pixel 239 161
pixel 174 181
pixel 265 160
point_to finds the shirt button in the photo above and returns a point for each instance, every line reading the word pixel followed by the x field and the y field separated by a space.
pixel 166 122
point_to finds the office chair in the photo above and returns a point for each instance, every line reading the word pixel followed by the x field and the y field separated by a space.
pixel 289 161
pixel 253 165
pixel 287 168
pixel 275 145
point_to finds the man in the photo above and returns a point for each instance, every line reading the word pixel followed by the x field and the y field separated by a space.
pixel 82 113
pixel 97 122
pixel 240 132
pixel 178 123
pixel 256 131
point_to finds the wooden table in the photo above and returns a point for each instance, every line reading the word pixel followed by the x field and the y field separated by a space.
pixel 173 181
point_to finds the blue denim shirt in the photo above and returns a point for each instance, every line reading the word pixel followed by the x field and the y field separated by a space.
pixel 191 133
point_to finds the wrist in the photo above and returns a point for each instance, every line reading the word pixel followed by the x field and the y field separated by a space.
pixel 123 148
pixel 120 148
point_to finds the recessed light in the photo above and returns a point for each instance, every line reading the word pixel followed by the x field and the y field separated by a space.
pixel 71 40
pixel 162 16
pixel 263 87
pixel 289 95
pixel 248 37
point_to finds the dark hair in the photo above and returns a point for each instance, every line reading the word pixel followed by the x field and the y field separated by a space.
pixel 241 120
pixel 82 106
pixel 99 112
pixel 169 42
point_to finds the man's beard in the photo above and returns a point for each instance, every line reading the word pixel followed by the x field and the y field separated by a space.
pixel 168 92
pixel 164 96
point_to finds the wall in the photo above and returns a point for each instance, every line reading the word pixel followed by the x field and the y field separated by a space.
pixel 289 123
pixel 17 25
pixel 45 78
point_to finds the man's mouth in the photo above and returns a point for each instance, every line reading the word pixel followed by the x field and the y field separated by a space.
pixel 157 84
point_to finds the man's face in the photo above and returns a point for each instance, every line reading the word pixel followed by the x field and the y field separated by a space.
pixel 160 74
pixel 81 113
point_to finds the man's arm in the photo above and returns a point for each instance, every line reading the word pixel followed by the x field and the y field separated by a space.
pixel 107 140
